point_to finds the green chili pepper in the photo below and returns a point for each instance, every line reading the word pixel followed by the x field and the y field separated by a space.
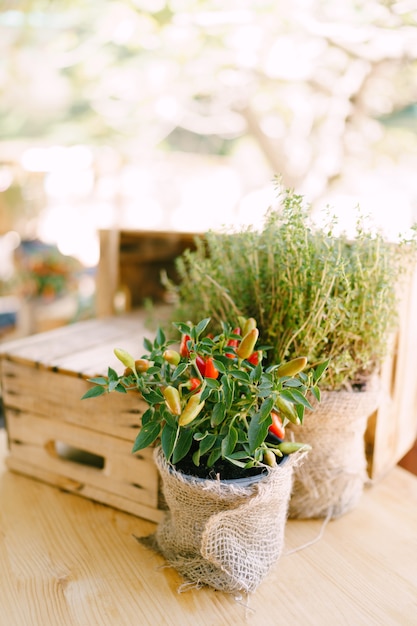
pixel 172 399
pixel 288 447
pixel 287 409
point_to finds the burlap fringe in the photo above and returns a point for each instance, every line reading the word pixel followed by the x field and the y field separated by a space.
pixel 331 481
pixel 222 535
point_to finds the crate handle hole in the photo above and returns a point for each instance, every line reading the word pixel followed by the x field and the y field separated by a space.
pixel 66 452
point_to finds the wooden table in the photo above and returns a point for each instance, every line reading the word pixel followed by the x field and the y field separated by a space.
pixel 66 561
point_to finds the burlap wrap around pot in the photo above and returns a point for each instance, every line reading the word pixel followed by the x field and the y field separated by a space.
pixel 331 481
pixel 222 535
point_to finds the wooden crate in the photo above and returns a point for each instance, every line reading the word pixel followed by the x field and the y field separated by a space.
pixel 82 446
pixel 392 430
pixel 131 262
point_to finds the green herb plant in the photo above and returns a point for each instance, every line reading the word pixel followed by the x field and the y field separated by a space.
pixel 210 402
pixel 312 292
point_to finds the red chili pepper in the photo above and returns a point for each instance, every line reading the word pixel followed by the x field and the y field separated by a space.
pixel 193 384
pixel 184 351
pixel 255 357
pixel 210 371
pixel 276 427
pixel 233 343
pixel 201 364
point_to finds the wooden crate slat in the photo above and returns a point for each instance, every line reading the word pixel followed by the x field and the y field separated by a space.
pixel 50 349
pixel 93 493
pixel 52 394
pixel 37 440
pixel 92 361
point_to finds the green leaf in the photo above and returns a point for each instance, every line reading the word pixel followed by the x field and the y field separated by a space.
pixel 160 338
pixel 300 412
pixel 168 439
pixel 229 442
pixel 296 396
pixel 238 455
pixel 183 328
pixel 258 430
pixel 228 389
pixel 293 382
pixel 238 463
pixel 120 388
pixel 256 373
pixel 94 392
pixel 153 396
pixel 207 443
pixel 112 374
pixel 170 419
pixel 147 344
pixel 219 365
pixel 147 416
pixel 201 326
pixel 113 384
pixel 242 376
pixel 98 380
pixel 316 393
pixel 206 343
pixel 214 456
pixel 183 445
pixel 146 436
pixel 218 414
pixel 266 408
pixel 319 370
pixel 180 369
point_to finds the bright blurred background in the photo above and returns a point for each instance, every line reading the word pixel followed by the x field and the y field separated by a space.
pixel 177 114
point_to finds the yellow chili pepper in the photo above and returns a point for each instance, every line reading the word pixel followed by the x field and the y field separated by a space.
pixel 172 356
pixel 247 345
pixel 191 410
pixel 292 367
pixel 269 458
pixel 126 358
pixel 249 325
pixel 172 399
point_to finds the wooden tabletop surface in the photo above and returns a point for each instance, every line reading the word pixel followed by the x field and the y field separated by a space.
pixel 66 561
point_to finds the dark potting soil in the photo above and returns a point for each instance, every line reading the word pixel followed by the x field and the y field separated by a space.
pixel 222 469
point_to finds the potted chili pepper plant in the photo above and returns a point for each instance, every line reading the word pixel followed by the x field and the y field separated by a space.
pixel 213 413
pixel 313 291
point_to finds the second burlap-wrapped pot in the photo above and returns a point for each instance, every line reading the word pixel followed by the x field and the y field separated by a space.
pixel 331 481
pixel 219 533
